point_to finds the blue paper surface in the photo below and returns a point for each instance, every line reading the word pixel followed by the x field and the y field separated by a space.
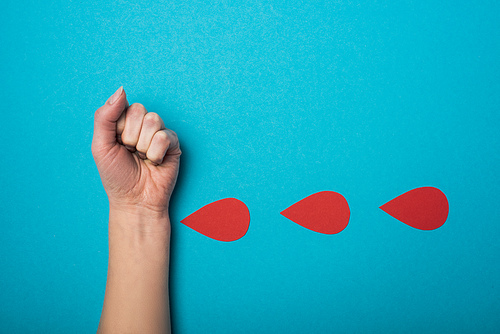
pixel 272 102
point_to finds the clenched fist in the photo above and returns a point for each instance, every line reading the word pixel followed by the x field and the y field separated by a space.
pixel 136 155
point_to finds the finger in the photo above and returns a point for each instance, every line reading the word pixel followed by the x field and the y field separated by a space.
pixel 164 142
pixel 151 124
pixel 105 119
pixel 120 125
pixel 133 123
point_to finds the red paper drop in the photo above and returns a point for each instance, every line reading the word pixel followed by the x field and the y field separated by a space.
pixel 323 212
pixel 224 220
pixel 424 208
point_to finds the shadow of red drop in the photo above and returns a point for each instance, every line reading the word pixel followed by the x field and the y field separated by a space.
pixel 224 220
pixel 425 208
pixel 323 212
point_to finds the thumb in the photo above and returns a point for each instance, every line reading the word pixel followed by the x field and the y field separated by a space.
pixel 105 119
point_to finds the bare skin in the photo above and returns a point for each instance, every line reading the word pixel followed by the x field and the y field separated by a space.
pixel 138 161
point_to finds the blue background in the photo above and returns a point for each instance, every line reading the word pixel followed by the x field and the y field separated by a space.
pixel 272 101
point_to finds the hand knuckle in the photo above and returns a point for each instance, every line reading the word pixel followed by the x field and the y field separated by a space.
pixel 152 119
pixel 162 138
pixel 136 109
pixel 97 114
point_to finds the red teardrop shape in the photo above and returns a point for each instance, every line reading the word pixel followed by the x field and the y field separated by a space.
pixel 425 208
pixel 323 212
pixel 224 220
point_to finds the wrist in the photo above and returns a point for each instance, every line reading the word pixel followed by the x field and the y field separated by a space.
pixel 136 219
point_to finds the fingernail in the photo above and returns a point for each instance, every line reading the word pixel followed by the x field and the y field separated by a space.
pixel 115 96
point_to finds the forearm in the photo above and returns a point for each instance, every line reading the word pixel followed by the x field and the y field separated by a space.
pixel 136 298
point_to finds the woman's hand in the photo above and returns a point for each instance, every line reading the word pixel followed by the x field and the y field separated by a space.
pixel 136 155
